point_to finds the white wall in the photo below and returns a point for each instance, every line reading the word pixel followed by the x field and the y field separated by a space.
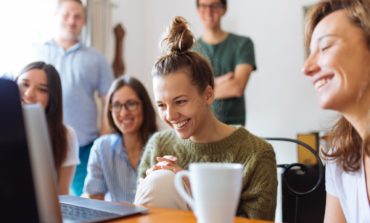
pixel 280 100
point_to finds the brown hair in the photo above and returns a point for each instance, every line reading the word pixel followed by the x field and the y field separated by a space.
pixel 180 40
pixel 344 140
pixel 358 13
pixel 53 111
pixel 149 125
pixel 77 1
pixel 223 2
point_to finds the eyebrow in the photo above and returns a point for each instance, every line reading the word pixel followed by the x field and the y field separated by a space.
pixel 44 85
pixel 175 98
pixel 27 80
pixel 325 36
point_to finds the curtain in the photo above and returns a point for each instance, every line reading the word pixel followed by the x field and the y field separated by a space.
pixel 98 24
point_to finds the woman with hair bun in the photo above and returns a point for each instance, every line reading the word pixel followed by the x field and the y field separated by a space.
pixel 184 91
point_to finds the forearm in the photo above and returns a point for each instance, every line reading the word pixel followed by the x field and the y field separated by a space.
pixel 233 85
pixel 228 89
pixel 94 196
pixel 65 178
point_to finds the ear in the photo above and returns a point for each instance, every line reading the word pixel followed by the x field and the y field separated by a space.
pixel 209 94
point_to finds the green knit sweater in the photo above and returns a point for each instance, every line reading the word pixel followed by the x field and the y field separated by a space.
pixel 258 197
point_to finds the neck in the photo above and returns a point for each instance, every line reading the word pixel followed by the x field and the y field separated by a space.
pixel 212 130
pixel 133 142
pixel 359 115
pixel 214 36
pixel 65 44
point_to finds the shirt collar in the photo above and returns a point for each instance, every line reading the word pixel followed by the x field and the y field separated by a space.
pixel 75 47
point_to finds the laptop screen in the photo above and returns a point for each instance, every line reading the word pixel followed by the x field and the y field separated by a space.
pixel 17 191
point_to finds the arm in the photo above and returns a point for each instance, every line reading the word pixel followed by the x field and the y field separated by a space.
pixel 65 178
pixel 95 186
pixel 258 197
pixel 233 85
pixel 333 210
pixel 94 196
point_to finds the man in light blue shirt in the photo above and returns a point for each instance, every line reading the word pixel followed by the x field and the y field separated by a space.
pixel 83 71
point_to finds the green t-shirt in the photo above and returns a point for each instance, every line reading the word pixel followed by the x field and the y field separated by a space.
pixel 224 57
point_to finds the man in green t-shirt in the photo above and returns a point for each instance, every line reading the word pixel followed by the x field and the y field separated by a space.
pixel 232 59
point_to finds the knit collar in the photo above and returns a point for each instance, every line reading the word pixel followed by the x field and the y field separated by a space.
pixel 215 147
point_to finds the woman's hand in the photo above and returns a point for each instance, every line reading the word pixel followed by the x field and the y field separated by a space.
pixel 167 162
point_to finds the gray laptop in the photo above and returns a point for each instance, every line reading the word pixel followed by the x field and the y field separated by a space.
pixel 74 209
pixel 27 163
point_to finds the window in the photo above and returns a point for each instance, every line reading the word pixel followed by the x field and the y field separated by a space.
pixel 22 23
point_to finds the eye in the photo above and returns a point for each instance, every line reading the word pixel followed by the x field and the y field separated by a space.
pixel 324 48
pixel 24 84
pixel 43 89
pixel 161 105
pixel 180 102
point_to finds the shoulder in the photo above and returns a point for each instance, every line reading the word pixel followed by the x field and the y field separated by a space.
pixel 333 170
pixel 255 143
pixel 240 38
pixel 71 136
pixel 92 53
pixel 73 148
pixel 199 45
pixel 163 137
pixel 106 142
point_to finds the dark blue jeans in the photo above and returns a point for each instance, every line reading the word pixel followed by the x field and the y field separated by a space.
pixel 81 170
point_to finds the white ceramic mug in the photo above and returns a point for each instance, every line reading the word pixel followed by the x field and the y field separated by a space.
pixel 215 188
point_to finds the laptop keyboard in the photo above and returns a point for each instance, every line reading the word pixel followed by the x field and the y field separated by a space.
pixel 82 214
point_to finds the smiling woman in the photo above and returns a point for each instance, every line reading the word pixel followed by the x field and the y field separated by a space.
pixel 338 33
pixel 184 91
pixel 114 158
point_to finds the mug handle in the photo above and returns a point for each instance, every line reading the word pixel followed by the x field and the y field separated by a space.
pixel 179 185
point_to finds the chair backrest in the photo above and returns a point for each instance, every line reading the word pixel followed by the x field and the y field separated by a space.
pixel 303 187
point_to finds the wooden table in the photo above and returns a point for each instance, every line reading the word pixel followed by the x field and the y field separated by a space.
pixel 162 215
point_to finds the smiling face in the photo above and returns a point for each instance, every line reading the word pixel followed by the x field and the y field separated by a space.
pixel 338 65
pixel 210 13
pixel 180 105
pixel 129 117
pixel 33 87
pixel 71 19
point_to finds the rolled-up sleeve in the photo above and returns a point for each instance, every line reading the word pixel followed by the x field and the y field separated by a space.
pixel 95 182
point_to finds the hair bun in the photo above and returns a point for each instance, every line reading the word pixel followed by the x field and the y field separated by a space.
pixel 179 37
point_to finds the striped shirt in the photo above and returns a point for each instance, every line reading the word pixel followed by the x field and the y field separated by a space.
pixel 109 170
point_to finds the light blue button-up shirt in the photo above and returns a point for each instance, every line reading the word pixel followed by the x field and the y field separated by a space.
pixel 109 170
pixel 83 71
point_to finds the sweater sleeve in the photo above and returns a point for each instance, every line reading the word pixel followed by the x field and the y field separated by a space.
pixel 148 158
pixel 258 198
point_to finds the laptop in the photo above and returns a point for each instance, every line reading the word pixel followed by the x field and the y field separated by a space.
pixel 25 132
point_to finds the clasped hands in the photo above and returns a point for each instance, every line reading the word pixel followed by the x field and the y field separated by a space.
pixel 167 162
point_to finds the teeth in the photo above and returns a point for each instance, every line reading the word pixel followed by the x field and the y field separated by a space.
pixel 321 83
pixel 180 124
pixel 127 121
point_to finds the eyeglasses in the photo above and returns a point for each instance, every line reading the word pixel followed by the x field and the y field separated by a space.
pixel 130 105
pixel 213 6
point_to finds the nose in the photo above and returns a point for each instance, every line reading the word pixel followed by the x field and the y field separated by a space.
pixel 310 66
pixel 29 92
pixel 123 111
pixel 171 114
